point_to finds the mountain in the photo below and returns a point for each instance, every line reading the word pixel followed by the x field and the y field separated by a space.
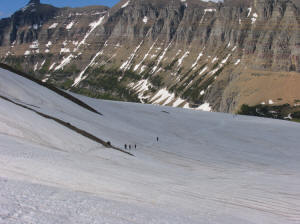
pixel 54 169
pixel 215 56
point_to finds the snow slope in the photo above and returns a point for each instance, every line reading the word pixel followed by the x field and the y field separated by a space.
pixel 206 168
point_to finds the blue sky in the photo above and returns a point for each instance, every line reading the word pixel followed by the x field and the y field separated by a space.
pixel 9 7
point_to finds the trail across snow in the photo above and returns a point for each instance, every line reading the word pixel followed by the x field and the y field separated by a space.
pixel 209 168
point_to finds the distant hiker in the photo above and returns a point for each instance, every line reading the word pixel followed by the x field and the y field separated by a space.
pixel 129 147
pixel 157 139
pixel 125 146
pixel 135 146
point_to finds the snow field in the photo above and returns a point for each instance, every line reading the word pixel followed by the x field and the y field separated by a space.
pixel 209 168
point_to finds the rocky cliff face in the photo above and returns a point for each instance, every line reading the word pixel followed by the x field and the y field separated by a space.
pixel 187 53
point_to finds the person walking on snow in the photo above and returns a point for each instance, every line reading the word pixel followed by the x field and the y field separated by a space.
pixel 157 139
pixel 125 146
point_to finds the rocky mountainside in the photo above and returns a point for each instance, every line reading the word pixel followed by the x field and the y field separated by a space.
pixel 181 53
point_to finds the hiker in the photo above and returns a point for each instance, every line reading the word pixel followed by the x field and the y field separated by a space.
pixel 129 147
pixel 135 146
pixel 157 139
pixel 125 146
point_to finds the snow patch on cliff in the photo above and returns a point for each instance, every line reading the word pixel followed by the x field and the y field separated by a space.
pixel 64 62
pixel 160 96
pixel 93 26
pixel 27 53
pixel 81 75
pixel 70 25
pixel 34 45
pixel 161 57
pixel 127 64
pixel 64 50
pixel 205 107
pixel 254 18
pixel 125 4
pixel 180 60
pixel 197 60
pixel 237 62
pixel 145 19
pixel 145 57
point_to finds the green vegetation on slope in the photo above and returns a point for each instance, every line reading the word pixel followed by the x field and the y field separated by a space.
pixel 110 84
pixel 284 111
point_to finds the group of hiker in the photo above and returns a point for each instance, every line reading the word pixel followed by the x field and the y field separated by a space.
pixel 129 147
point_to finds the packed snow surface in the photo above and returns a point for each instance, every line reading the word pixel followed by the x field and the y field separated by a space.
pixel 209 168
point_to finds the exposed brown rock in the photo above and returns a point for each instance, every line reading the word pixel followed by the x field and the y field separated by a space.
pixel 200 51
